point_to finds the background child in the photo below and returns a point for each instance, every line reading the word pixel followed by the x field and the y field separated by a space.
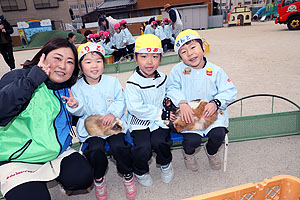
pixel 119 43
pixel 129 38
pixel 145 91
pixel 149 29
pixel 195 78
pixel 96 93
pixel 107 44
pixel 169 30
pixel 159 32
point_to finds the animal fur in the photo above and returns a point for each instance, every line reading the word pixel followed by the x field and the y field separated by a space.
pixel 93 125
pixel 200 123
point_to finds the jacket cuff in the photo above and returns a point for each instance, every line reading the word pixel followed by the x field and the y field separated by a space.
pixel 37 76
pixel 217 103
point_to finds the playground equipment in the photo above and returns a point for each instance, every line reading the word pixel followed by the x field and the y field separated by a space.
pixel 267 12
pixel 239 15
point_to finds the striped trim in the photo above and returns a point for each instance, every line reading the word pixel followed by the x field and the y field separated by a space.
pixel 162 82
pixel 145 87
pixel 135 121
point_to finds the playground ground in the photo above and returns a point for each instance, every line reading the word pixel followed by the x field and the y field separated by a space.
pixel 261 58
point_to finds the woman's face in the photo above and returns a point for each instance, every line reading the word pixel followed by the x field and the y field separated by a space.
pixel 73 39
pixel 62 64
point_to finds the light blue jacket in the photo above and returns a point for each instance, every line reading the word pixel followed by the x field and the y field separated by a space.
pixel 144 100
pixel 159 32
pixel 186 84
pixel 149 30
pixel 107 47
pixel 169 32
pixel 103 98
pixel 118 39
pixel 129 38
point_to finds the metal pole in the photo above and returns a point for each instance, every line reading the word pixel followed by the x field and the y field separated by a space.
pixel 86 9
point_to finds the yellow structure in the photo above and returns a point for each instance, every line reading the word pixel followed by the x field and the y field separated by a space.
pixel 240 15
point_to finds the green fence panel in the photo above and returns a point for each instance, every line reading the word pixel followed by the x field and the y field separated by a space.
pixel 264 126
pixel 131 65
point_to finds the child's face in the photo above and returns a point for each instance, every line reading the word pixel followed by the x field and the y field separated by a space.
pixel 148 63
pixel 92 67
pixel 117 30
pixel 192 54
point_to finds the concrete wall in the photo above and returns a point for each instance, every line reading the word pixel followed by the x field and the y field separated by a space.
pixel 58 15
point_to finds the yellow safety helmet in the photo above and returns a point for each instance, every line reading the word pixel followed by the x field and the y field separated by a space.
pixel 90 47
pixel 184 37
pixel 148 43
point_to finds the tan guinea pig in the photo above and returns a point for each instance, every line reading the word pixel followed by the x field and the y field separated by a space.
pixel 93 125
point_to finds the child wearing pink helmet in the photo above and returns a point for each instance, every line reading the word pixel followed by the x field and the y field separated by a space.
pixel 119 43
pixel 129 38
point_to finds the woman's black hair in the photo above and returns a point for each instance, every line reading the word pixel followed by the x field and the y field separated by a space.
pixel 70 35
pixel 56 43
pixel 100 20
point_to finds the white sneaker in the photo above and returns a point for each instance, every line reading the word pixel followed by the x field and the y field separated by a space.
pixel 167 174
pixel 145 179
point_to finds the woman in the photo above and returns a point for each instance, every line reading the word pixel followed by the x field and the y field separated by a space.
pixel 71 38
pixel 35 126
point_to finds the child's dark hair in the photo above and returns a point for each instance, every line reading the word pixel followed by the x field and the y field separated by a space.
pixel 107 40
pixel 87 32
pixel 197 40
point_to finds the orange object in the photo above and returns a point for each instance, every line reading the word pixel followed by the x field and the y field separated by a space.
pixel 283 187
pixel 109 59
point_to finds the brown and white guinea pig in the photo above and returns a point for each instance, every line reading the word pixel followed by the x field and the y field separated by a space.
pixel 200 123
pixel 93 125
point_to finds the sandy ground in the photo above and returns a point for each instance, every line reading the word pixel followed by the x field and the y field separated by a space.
pixel 261 58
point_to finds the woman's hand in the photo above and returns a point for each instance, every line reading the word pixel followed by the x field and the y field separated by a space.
pixel 108 119
pixel 186 113
pixel 71 101
pixel 209 109
pixel 42 64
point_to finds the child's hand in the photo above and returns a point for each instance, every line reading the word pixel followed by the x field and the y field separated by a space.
pixel 209 109
pixel 108 119
pixel 42 64
pixel 71 101
pixel 172 116
pixel 186 113
pixel 122 44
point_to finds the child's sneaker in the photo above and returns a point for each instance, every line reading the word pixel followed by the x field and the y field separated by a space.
pixel 167 173
pixel 131 189
pixel 214 160
pixel 190 161
pixel 145 179
pixel 101 191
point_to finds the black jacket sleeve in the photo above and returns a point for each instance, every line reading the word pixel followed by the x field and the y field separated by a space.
pixel 16 89
pixel 172 15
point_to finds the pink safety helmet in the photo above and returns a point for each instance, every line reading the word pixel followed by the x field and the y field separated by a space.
pixel 117 25
pixel 123 22
pixel 106 34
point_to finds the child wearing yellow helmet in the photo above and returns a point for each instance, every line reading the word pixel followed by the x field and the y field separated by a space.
pixel 196 78
pixel 145 91
pixel 98 94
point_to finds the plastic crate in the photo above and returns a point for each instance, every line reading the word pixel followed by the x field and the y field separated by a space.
pixel 283 187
